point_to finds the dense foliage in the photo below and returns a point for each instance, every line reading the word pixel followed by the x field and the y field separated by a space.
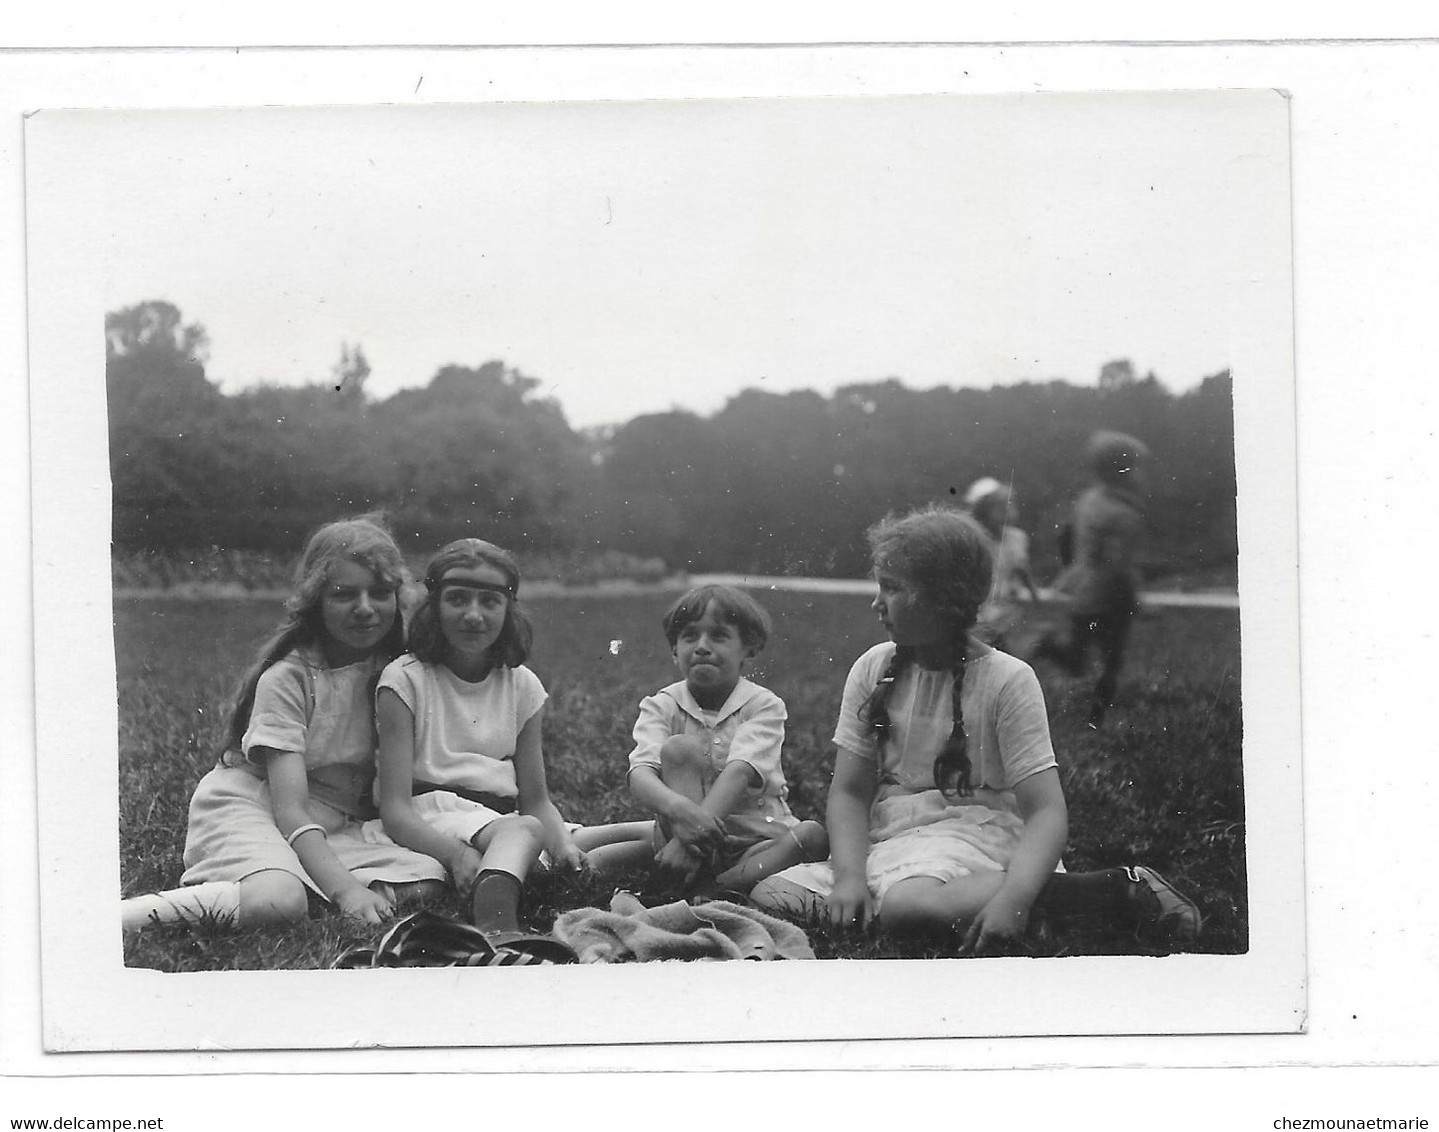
pixel 772 483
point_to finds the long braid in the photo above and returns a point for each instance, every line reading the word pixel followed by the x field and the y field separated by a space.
pixel 945 556
pixel 876 708
pixel 952 768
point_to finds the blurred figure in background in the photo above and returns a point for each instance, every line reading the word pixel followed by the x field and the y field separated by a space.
pixel 1102 580
pixel 994 507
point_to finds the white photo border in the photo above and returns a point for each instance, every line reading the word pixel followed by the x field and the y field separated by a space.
pixel 92 1002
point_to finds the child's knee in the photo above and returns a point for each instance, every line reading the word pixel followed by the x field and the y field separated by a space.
pixel 922 903
pixel 775 894
pixel 272 897
pixel 771 894
pixel 813 840
pixel 682 752
pixel 901 913
pixel 911 904
pixel 519 827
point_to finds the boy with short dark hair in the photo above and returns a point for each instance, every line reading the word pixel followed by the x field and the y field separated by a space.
pixel 706 760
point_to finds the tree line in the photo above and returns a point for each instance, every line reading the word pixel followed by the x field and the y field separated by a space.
pixel 771 483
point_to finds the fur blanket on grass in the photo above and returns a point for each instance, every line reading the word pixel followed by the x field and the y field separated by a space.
pixel 716 929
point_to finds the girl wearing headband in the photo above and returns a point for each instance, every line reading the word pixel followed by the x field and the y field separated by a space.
pixel 461 774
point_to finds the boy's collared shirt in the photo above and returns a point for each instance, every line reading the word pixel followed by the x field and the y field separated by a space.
pixel 748 727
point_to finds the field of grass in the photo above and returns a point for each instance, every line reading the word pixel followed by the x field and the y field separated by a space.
pixel 1160 784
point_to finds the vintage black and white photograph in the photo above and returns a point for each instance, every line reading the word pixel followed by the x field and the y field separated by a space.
pixel 617 538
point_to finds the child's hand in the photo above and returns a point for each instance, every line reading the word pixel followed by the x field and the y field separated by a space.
pixel 676 857
pixel 999 925
pixel 363 904
pixel 570 856
pixel 464 867
pixel 850 903
pixel 697 829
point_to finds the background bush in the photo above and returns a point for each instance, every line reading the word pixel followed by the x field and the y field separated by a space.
pixel 769 484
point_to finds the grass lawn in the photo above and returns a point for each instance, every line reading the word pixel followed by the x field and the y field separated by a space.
pixel 1160 784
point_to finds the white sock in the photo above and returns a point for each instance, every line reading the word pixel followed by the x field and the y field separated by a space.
pixel 219 899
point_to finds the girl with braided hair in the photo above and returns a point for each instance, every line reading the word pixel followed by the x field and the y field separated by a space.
pixel 946 807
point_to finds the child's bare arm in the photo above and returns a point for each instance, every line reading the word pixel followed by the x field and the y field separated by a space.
pixel 290 796
pixel 534 794
pixel 394 786
pixel 851 793
pixel 729 788
pixel 1040 799
pixel 691 822
pixel 754 753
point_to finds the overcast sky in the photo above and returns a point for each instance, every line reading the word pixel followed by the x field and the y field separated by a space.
pixel 638 256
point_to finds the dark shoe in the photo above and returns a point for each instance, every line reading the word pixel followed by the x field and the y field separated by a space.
pixel 1163 913
pixel 535 948
pixel 425 939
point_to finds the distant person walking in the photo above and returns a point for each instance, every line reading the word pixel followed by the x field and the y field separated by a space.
pixel 995 508
pixel 1102 580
